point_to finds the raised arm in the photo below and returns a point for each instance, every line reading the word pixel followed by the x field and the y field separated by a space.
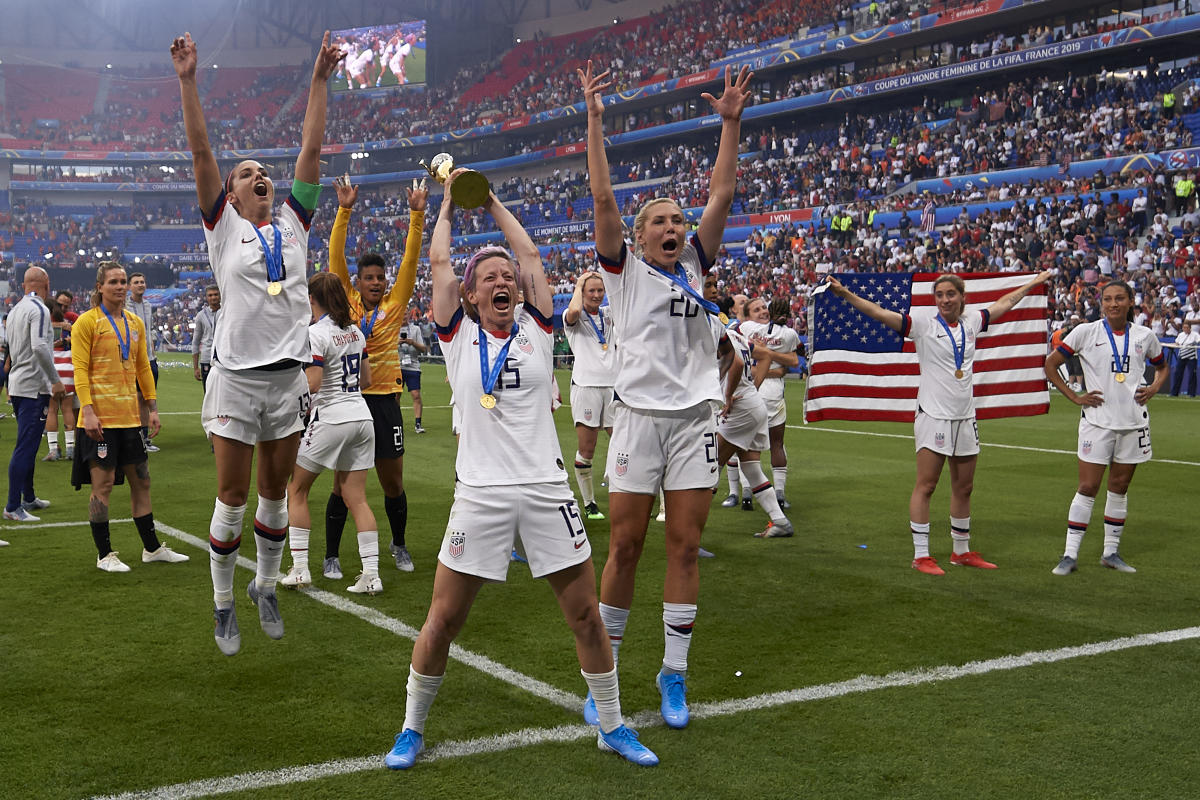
pixel 575 307
pixel 406 276
pixel 347 196
pixel 204 163
pixel 607 213
pixel 724 175
pixel 445 285
pixel 892 319
pixel 533 275
pixel 1006 303
pixel 308 163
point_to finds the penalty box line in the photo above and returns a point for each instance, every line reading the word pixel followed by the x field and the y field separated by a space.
pixel 249 781
pixel 487 666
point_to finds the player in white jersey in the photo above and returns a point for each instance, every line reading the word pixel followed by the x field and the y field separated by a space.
pixel 511 479
pixel 589 330
pixel 359 66
pixel 257 394
pixel 944 428
pixel 779 344
pixel 1114 426
pixel 667 388
pixel 340 435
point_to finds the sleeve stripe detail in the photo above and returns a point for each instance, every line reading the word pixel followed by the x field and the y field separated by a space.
pixel 705 264
pixel 544 323
pixel 447 332
pixel 318 361
pixel 1158 360
pixel 905 325
pixel 1065 350
pixel 213 215
pixel 610 265
pixel 303 213
pixel 987 320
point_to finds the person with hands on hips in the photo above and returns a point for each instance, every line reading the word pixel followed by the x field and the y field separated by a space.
pixel 1114 425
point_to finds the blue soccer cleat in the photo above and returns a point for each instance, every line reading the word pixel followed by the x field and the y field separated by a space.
pixel 590 715
pixel 409 745
pixel 673 688
pixel 624 742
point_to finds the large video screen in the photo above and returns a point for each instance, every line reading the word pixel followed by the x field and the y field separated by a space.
pixel 380 57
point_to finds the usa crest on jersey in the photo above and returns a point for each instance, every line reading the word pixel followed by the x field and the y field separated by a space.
pixel 458 543
pixel 622 463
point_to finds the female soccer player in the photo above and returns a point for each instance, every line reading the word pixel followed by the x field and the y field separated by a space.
pixel 340 434
pixel 767 327
pixel 945 426
pixel 110 363
pixel 511 478
pixel 1114 427
pixel 257 394
pixel 664 426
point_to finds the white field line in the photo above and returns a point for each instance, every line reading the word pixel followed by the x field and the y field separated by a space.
pixel 909 437
pixel 249 781
pixel 369 615
pixel 82 524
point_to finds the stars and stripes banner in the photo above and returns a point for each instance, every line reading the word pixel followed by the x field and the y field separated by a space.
pixel 862 370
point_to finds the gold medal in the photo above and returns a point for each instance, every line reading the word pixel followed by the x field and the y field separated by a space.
pixel 488 401
pixel 958 373
pixel 604 346
pixel 274 288
pixel 1120 376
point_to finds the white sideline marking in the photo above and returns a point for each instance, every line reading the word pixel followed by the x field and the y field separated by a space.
pixel 84 523
pixel 981 444
pixel 249 781
pixel 369 615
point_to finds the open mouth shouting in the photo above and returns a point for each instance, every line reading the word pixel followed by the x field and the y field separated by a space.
pixel 260 188
pixel 502 300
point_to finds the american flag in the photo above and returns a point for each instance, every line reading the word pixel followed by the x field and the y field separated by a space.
pixel 929 216
pixel 862 370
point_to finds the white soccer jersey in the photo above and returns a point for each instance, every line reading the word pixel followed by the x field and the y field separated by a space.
pixel 515 441
pixel 594 365
pixel 340 352
pixel 257 328
pixel 1089 341
pixel 667 355
pixel 776 338
pixel 939 393
pixel 742 346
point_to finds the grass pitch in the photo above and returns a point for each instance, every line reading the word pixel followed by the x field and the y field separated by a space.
pixel 111 684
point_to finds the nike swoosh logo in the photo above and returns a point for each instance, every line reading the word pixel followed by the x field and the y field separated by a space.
pixel 247 241
pixel 580 544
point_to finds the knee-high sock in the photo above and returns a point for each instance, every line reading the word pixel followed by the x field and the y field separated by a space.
pixel 368 551
pixel 614 620
pixel 761 488
pixel 678 621
pixel 100 535
pixel 422 689
pixel 960 533
pixel 603 686
pixel 270 530
pixel 733 475
pixel 224 539
pixel 298 544
pixel 145 529
pixel 396 509
pixel 920 537
pixel 583 477
pixel 335 523
pixel 1116 506
pixel 779 477
pixel 1077 522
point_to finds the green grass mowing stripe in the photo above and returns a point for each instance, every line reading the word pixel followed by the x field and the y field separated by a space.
pixel 567 733
pixel 380 620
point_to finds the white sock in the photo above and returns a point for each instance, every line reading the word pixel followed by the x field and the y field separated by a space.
pixel 270 529
pixel 224 539
pixel 745 481
pixel 678 621
pixel 368 551
pixel 760 487
pixel 422 689
pixel 583 477
pixel 920 534
pixel 1116 506
pixel 298 544
pixel 732 474
pixel 779 478
pixel 52 440
pixel 960 532
pixel 1077 522
pixel 614 623
pixel 70 437
pixel 603 686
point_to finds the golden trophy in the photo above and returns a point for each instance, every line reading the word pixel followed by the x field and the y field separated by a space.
pixel 469 190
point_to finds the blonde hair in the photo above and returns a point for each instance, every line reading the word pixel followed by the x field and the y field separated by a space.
pixel 639 222
pixel 101 273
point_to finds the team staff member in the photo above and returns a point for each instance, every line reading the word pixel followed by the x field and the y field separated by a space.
pixel 945 427
pixel 111 364
pixel 257 394
pixel 664 428
pixel 510 477
pixel 203 329
pixel 32 381
pixel 142 307
pixel 1114 425
pixel 778 343
pixel 589 330
pixel 380 316
pixel 412 347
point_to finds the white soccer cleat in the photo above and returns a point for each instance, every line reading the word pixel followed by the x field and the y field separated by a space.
pixel 21 515
pixel 111 563
pixel 3 543
pixel 366 585
pixel 297 576
pixel 662 517
pixel 165 555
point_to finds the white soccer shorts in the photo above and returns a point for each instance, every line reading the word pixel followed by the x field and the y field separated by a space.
pixel 253 406
pixel 949 437
pixel 343 446
pixel 671 450
pixel 745 427
pixel 1105 446
pixel 592 406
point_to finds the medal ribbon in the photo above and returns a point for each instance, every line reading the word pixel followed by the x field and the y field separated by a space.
pixel 599 330
pixel 1119 360
pixel 679 278
pixel 274 260
pixel 122 344
pixel 367 327
pixel 960 350
pixel 489 376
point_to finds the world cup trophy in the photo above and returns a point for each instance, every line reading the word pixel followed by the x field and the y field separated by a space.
pixel 469 190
